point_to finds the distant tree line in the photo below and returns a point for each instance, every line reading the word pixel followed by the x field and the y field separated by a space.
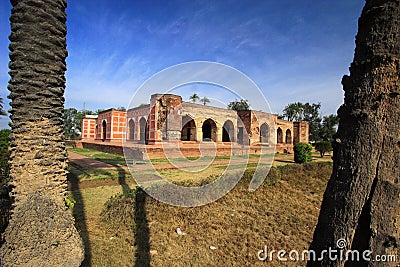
pixel 5 187
pixel 320 128
pixel 239 105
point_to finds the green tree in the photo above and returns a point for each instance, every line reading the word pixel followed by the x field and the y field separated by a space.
pixel 205 100
pixel 5 188
pixel 4 152
pixel 311 115
pixel 305 112
pixel 322 147
pixel 97 111
pixel 69 123
pixel 294 111
pixel 194 98
pixel 239 105
pixel 328 127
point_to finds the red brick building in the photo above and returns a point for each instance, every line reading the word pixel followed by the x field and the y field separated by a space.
pixel 108 125
pixel 167 117
pixel 89 127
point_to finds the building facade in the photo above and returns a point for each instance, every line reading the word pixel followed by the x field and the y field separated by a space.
pixel 168 118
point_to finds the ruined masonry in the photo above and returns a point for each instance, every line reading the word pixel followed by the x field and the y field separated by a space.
pixel 168 118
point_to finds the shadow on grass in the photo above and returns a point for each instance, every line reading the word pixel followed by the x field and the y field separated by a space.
pixel 79 215
pixel 126 190
pixel 142 232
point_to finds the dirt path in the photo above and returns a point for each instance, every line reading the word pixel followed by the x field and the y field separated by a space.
pixel 83 161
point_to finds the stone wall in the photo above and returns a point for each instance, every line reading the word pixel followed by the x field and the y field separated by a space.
pixel 157 151
pixel 265 123
pixel 104 147
pixel 300 130
pixel 219 116
pixel 168 118
pixel 165 119
pixel 137 120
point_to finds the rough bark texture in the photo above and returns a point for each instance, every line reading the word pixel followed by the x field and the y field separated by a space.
pixel 361 202
pixel 37 67
pixel 40 234
pixel 38 158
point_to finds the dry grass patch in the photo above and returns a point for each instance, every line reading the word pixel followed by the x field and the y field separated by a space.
pixel 281 214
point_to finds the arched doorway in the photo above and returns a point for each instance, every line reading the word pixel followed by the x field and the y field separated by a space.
pixel 131 129
pixel 188 132
pixel 142 124
pixel 264 133
pixel 228 132
pixel 288 136
pixel 279 136
pixel 104 130
pixel 209 129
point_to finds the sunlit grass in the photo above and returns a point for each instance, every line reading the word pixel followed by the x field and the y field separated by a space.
pixel 281 214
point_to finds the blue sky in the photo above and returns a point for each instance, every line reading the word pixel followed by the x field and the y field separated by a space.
pixel 293 50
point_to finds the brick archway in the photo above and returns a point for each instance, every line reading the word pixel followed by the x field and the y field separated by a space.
pixel 264 133
pixel 288 136
pixel 131 129
pixel 228 132
pixel 279 136
pixel 209 129
pixel 142 128
pixel 188 132
pixel 104 130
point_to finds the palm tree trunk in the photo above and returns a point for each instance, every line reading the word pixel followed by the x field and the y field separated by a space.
pixel 361 203
pixel 37 67
pixel 38 158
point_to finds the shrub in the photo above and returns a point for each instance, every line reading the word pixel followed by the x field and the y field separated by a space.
pixel 119 210
pixel 4 154
pixel 302 152
pixel 323 147
pixel 70 201
pixel 5 201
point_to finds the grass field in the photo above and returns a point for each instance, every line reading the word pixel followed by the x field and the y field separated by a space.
pixel 174 175
pixel 281 214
